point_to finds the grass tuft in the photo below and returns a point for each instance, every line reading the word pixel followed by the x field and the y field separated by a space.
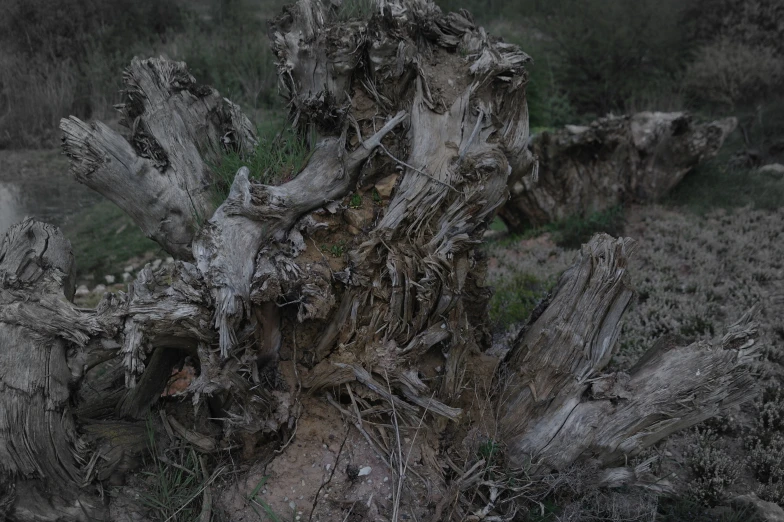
pixel 515 298
pixel 280 156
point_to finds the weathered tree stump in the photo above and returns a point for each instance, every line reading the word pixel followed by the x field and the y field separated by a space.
pixel 398 322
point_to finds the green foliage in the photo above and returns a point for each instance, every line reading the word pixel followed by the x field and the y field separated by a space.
pixel 102 237
pixel 682 509
pixel 173 493
pixel 257 502
pixel 715 184
pixel 573 231
pixel 515 298
pixel 336 249
pixel 355 201
pixel 354 9
pixel 227 49
pixel 279 156
pixel 727 74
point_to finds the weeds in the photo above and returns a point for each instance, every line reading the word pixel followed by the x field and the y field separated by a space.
pixel 176 481
pixel 515 298
pixel 278 157
pixel 256 502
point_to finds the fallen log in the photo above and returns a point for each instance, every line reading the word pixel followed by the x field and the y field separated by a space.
pixel 579 170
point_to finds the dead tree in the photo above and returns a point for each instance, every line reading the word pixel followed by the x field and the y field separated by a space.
pixel 398 321
pixel 615 160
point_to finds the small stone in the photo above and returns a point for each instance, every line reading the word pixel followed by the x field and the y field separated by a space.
pixel 82 291
pixel 386 479
pixel 129 268
pixel 292 505
pixel 126 277
pixel 156 264
pixel 99 289
pixel 109 279
pixel 328 466
pixel 384 186
pixel 169 260
pixel 774 170
pixel 364 471
pixel 358 217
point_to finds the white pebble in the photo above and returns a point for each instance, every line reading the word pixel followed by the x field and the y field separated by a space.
pixel 109 279
pixel 292 505
pixel 365 471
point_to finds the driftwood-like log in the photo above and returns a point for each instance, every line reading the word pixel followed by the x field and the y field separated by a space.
pixel 162 177
pixel 578 170
pixel 559 407
pixel 432 110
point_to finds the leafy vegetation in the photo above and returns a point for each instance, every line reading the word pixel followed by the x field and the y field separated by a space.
pixel 515 298
pixel 279 156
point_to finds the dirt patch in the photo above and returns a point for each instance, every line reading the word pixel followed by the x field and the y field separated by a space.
pixel 328 472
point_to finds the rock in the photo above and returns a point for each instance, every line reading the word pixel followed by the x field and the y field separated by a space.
pixel 99 290
pixel 765 511
pixel 129 268
pixel 82 291
pixel 364 471
pixel 774 170
pixel 359 218
pixel 169 260
pixel 156 264
pixel 384 186
pixel 109 279
pixel 126 277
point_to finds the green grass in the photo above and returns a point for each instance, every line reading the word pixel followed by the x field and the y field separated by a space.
pixel 713 185
pixel 173 493
pixel 103 238
pixel 257 502
pixel 515 298
pixel 680 509
pixel 573 231
pixel 280 155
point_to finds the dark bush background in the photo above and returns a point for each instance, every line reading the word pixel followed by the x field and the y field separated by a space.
pixel 592 57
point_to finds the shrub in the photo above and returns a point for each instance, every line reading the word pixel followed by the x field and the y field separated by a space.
pixel 714 470
pixel 730 73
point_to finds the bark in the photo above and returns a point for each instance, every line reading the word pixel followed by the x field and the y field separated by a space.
pixel 397 323
pixel 577 170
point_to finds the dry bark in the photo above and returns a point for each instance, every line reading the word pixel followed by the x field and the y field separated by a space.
pixel 398 325
pixel 578 170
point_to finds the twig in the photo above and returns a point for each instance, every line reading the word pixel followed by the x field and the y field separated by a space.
pixel 332 473
pixel 401 468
